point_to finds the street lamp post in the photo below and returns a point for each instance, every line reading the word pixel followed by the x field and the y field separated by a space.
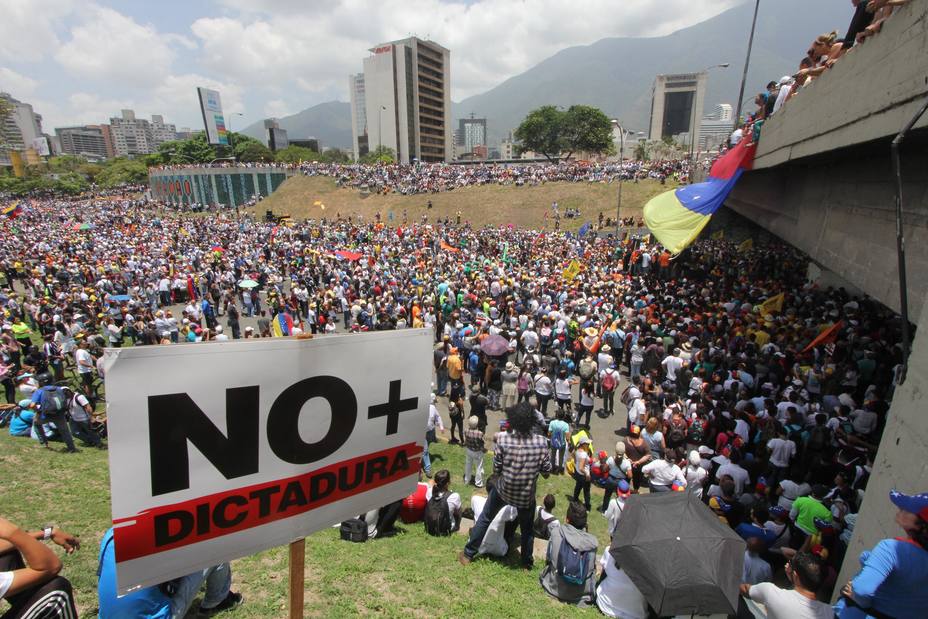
pixel 747 62
pixel 380 129
pixel 618 206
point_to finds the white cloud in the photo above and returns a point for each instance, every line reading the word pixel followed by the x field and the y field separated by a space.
pixel 16 84
pixel 28 29
pixel 275 108
pixel 490 40
pixel 108 45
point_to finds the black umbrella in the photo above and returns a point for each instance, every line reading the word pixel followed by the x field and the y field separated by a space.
pixel 679 555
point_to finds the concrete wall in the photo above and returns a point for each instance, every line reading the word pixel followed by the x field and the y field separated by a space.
pixel 229 186
pixel 901 461
pixel 871 92
pixel 839 208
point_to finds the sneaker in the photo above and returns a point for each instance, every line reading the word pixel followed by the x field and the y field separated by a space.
pixel 232 600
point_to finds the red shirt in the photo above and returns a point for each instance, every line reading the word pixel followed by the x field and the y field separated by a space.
pixel 413 507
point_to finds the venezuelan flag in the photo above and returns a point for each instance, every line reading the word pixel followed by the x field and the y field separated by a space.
pixel 282 325
pixel 677 217
pixel 12 211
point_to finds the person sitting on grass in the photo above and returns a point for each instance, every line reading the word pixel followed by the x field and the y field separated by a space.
pixel 545 519
pixel 570 561
pixel 443 507
pixel 29 578
pixel 169 600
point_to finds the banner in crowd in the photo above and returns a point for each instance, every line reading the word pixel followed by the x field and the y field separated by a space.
pixel 677 217
pixel 221 450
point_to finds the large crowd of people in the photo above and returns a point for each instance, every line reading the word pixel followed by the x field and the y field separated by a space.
pixel 419 178
pixel 725 372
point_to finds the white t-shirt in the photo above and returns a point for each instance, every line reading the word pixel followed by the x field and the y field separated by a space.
pixel 791 492
pixel 788 604
pixel 636 411
pixel 672 365
pixel 6 579
pixel 617 595
pixel 737 473
pixel 614 513
pixel 781 450
pixel 82 355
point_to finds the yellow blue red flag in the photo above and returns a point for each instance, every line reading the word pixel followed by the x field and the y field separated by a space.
pixel 677 217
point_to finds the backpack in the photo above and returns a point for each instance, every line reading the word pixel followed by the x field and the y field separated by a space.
pixel 609 381
pixel 557 441
pixel 540 526
pixel 53 400
pixel 353 530
pixel 572 564
pixel 819 438
pixel 586 369
pixel 677 432
pixel 438 515
pixel 696 432
pixel 794 433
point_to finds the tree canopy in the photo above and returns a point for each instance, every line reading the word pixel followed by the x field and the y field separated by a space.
pixel 381 154
pixel 554 132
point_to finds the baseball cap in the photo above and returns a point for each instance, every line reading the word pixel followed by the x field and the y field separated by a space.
pixel 777 510
pixel 916 503
pixel 603 455
pixel 623 489
pixel 636 430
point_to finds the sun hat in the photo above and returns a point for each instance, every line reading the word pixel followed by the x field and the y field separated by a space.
pixel 620 448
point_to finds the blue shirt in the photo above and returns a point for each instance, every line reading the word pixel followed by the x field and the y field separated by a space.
pixel 149 602
pixel 747 530
pixel 21 423
pixel 891 580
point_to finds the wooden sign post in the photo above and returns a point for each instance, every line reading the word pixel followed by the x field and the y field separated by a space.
pixel 297 565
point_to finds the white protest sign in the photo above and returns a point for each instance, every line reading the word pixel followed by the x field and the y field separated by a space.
pixel 221 450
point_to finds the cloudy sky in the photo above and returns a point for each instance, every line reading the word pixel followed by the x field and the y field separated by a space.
pixel 81 61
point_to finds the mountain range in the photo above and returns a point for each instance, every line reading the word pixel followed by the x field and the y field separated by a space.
pixel 617 74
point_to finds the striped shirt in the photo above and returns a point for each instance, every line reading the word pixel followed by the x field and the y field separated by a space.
pixel 518 459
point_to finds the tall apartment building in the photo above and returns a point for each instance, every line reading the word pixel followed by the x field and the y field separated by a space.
pixel 716 127
pixel 472 132
pixel 138 136
pixel 20 129
pixel 359 141
pixel 676 106
pixel 86 141
pixel 407 99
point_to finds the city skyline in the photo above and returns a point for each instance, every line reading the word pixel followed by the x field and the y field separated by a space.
pixel 80 63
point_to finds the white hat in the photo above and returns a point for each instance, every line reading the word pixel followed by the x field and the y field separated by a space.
pixel 705 450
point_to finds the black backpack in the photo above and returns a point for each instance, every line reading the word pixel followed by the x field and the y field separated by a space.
pixel 819 438
pixel 353 530
pixel 438 515
pixel 540 526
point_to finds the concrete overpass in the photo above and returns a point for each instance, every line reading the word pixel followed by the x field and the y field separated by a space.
pixel 823 182
pixel 823 178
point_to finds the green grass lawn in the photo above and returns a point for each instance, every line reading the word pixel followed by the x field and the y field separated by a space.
pixel 410 574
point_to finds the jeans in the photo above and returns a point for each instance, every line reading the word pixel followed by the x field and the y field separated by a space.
pixel 609 401
pixel 60 424
pixel 584 410
pixel 441 378
pixel 495 503
pixel 543 403
pixel 635 369
pixel 218 582
pixel 83 431
pixel 473 461
pixel 582 483
pixel 609 485
pixel 426 460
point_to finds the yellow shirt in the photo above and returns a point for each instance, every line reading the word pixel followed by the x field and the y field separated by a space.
pixel 455 367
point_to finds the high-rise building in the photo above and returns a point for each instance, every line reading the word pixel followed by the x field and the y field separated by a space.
pixel 471 132
pixel 407 99
pixel 276 137
pixel 676 106
pixel 86 141
pixel 359 141
pixel 137 136
pixel 20 130
pixel 716 127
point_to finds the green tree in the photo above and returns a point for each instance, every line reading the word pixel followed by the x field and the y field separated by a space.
pixel 253 151
pixel 642 152
pixel 335 155
pixel 381 154
pixel 586 129
pixel 71 183
pixel 192 150
pixel 120 171
pixel 295 154
pixel 65 163
pixel 541 131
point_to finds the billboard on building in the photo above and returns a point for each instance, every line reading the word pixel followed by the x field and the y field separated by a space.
pixel 40 146
pixel 213 120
